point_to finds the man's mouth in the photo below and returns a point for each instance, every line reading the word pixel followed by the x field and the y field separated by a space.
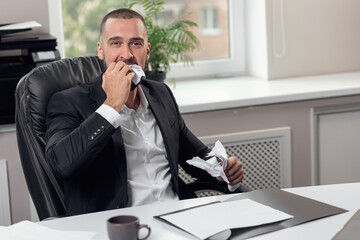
pixel 126 62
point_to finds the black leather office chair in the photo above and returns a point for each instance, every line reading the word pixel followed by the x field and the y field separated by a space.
pixel 32 95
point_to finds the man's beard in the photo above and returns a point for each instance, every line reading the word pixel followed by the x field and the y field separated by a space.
pixel 133 86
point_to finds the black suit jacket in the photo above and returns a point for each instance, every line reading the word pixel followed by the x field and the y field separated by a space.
pixel 87 153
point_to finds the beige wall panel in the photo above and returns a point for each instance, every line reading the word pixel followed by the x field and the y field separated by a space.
pixel 296 115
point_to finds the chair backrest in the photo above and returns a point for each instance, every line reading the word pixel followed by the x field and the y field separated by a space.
pixel 32 95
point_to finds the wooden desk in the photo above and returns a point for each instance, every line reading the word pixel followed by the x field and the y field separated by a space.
pixel 345 196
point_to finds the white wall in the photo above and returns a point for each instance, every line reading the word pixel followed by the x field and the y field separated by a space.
pixel 321 37
pixel 23 10
pixel 302 38
pixel 256 39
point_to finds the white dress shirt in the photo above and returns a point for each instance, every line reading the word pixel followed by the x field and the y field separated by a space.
pixel 149 177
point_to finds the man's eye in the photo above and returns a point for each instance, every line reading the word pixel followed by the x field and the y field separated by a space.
pixel 115 43
pixel 137 43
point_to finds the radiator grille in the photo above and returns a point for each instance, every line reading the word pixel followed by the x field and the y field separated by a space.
pixel 261 163
pixel 184 176
pixel 266 156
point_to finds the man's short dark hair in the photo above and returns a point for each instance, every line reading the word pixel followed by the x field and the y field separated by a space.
pixel 122 13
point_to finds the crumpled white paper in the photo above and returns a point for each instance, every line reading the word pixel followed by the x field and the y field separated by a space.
pixel 212 166
pixel 139 73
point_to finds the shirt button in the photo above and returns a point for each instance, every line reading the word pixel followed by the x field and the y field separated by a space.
pixel 91 137
pixel 147 160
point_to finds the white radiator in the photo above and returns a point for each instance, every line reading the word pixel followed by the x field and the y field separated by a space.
pixel 266 155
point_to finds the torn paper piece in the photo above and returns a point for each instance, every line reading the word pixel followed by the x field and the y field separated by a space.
pixel 139 74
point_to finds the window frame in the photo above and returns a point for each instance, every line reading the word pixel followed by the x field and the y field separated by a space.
pixel 56 24
pixel 222 67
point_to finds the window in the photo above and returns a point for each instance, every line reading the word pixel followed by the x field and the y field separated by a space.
pixel 220 31
pixel 220 54
pixel 209 21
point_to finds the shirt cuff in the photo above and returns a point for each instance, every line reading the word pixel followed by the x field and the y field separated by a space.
pixel 110 114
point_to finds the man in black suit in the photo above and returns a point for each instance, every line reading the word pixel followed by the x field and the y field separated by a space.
pixel 116 146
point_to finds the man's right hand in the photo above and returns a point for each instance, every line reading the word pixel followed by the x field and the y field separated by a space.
pixel 116 84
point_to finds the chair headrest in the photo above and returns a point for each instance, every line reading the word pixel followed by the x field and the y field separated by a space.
pixel 42 82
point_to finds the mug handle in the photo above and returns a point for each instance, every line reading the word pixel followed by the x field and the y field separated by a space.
pixel 144 226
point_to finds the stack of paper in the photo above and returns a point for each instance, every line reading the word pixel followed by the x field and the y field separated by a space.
pixel 27 230
pixel 21 25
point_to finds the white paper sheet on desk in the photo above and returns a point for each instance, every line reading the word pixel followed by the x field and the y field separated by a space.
pixel 212 165
pixel 27 230
pixel 207 220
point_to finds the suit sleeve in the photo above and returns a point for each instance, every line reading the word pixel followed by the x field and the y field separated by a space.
pixel 73 138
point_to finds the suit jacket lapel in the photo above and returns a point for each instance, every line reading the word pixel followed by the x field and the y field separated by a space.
pixel 165 128
pixel 98 96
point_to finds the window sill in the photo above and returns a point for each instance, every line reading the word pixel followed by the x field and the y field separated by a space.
pixel 213 94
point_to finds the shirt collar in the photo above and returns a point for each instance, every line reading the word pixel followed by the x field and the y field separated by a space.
pixel 144 104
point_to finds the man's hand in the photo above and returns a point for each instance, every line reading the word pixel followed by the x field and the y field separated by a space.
pixel 116 84
pixel 234 171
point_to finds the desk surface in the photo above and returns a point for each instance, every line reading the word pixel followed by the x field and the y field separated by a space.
pixel 345 196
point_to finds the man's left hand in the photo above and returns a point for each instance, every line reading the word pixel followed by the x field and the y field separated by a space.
pixel 234 171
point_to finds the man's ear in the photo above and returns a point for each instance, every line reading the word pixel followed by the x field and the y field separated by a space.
pixel 100 51
pixel 148 51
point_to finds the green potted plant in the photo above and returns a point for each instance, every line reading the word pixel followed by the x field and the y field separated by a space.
pixel 169 43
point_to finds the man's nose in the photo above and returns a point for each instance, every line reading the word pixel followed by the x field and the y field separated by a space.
pixel 126 52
